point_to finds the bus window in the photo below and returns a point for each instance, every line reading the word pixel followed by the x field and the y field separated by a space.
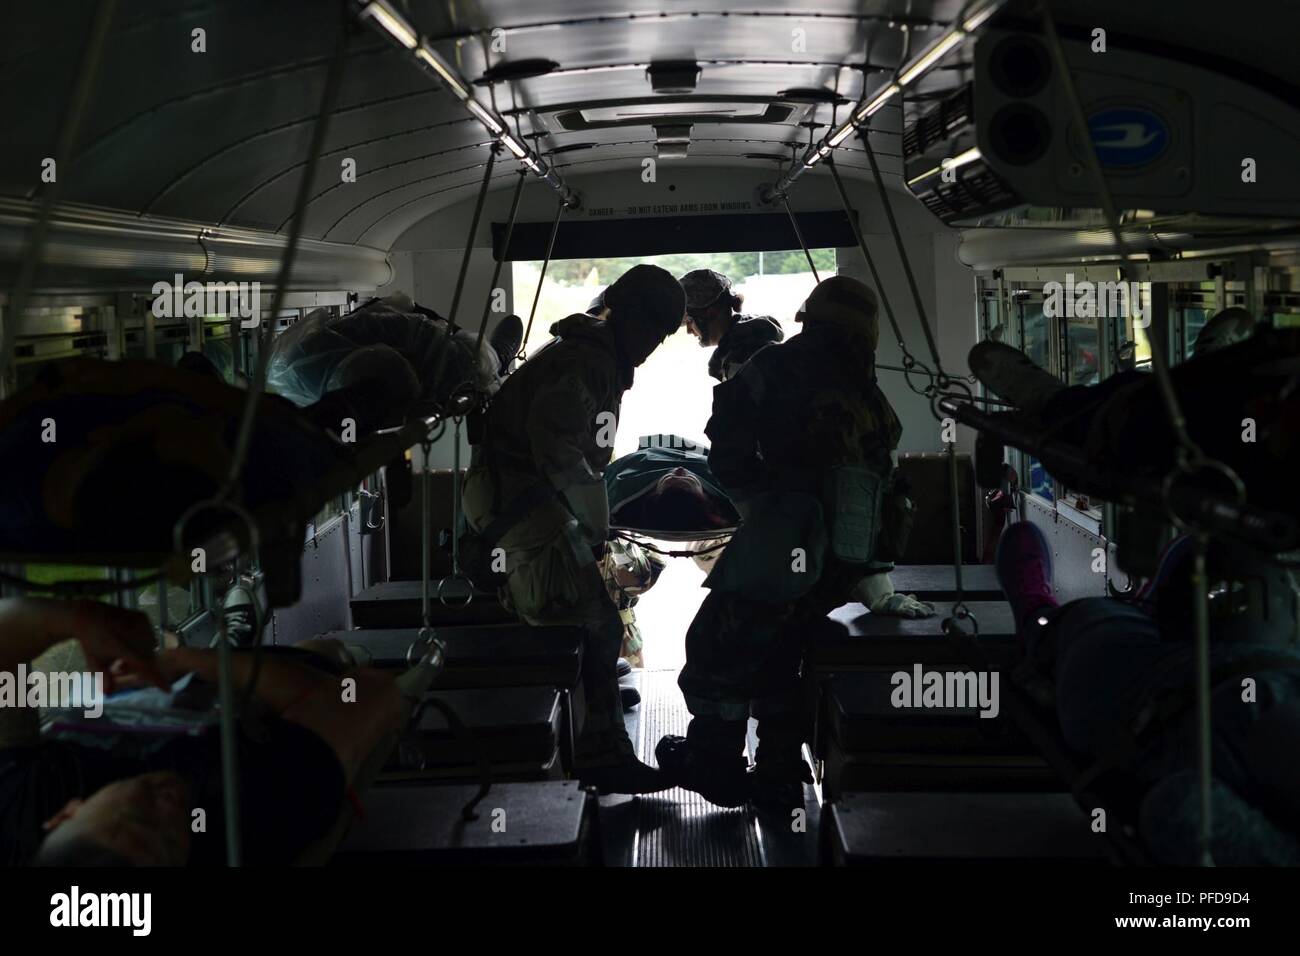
pixel 1036 333
pixel 1083 342
pixel 1193 321
pixel 181 604
pixel 1036 337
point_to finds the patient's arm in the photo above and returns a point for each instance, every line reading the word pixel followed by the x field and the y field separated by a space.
pixel 31 626
pixel 351 719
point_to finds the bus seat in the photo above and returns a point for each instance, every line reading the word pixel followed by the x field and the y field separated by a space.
pixel 867 744
pixel 861 716
pixel 869 641
pixel 867 828
pixel 397 604
pixel 403 527
pixel 516 729
pixel 493 655
pixel 544 823
pixel 938 582
pixel 928 476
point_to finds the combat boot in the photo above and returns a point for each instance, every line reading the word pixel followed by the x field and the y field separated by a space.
pixel 780 772
pixel 709 760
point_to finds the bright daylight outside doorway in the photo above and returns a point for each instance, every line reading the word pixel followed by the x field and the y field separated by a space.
pixel 672 393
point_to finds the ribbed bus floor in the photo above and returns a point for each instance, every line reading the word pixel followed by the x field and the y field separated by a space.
pixel 678 827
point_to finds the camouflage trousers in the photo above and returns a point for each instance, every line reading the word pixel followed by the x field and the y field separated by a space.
pixel 744 656
pixel 549 581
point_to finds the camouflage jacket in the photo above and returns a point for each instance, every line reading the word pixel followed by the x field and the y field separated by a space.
pixel 798 409
pixel 747 335
pixel 554 418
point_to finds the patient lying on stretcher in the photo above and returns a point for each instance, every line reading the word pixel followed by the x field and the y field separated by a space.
pixel 384 359
pixel 666 489
pixel 118 791
pixel 1239 392
pixel 111 454
pixel 1124 672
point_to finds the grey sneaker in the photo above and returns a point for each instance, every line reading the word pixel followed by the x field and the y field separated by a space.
pixel 1013 376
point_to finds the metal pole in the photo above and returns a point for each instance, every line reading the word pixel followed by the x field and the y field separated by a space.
pixel 550 245
pixel 425 481
pixel 229 749
pixel 496 271
pixel 473 231
pixel 87 72
pixel 1200 587
pixel 871 263
pixel 902 253
pixel 455 498
pixel 794 223
pixel 956 522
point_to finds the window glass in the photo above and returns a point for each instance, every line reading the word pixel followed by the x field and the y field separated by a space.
pixel 180 603
pixel 1193 321
pixel 772 283
pixel 1084 365
pixel 1036 334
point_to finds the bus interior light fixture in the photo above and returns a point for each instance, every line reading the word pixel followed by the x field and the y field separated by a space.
pixel 951 39
pixel 430 58
pixel 484 117
pixel 392 23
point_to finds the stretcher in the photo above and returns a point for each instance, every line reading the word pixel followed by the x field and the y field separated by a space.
pixel 542 823
pixel 1196 504
pixel 874 828
pixel 453 602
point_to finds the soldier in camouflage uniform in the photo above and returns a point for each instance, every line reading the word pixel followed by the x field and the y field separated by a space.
pixel 802 441
pixel 629 570
pixel 552 425
pixel 713 316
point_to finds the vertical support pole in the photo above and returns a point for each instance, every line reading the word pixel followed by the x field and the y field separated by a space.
pixel 794 224
pixel 473 231
pixel 1200 587
pixel 426 477
pixel 496 270
pixel 956 521
pixel 455 497
pixel 229 753
pixel 541 279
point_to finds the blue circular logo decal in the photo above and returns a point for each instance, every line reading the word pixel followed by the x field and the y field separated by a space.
pixel 1128 136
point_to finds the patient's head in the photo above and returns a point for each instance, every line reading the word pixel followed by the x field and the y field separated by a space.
pixel 139 821
pixel 684 504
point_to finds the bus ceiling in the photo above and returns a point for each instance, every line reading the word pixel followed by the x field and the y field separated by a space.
pixel 196 123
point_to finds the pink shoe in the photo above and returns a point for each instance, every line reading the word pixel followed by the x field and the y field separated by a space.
pixel 1024 567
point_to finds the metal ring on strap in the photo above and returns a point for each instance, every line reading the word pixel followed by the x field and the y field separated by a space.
pixel 469 595
pixel 1190 467
pixel 424 638
pixel 217 504
pixel 960 613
